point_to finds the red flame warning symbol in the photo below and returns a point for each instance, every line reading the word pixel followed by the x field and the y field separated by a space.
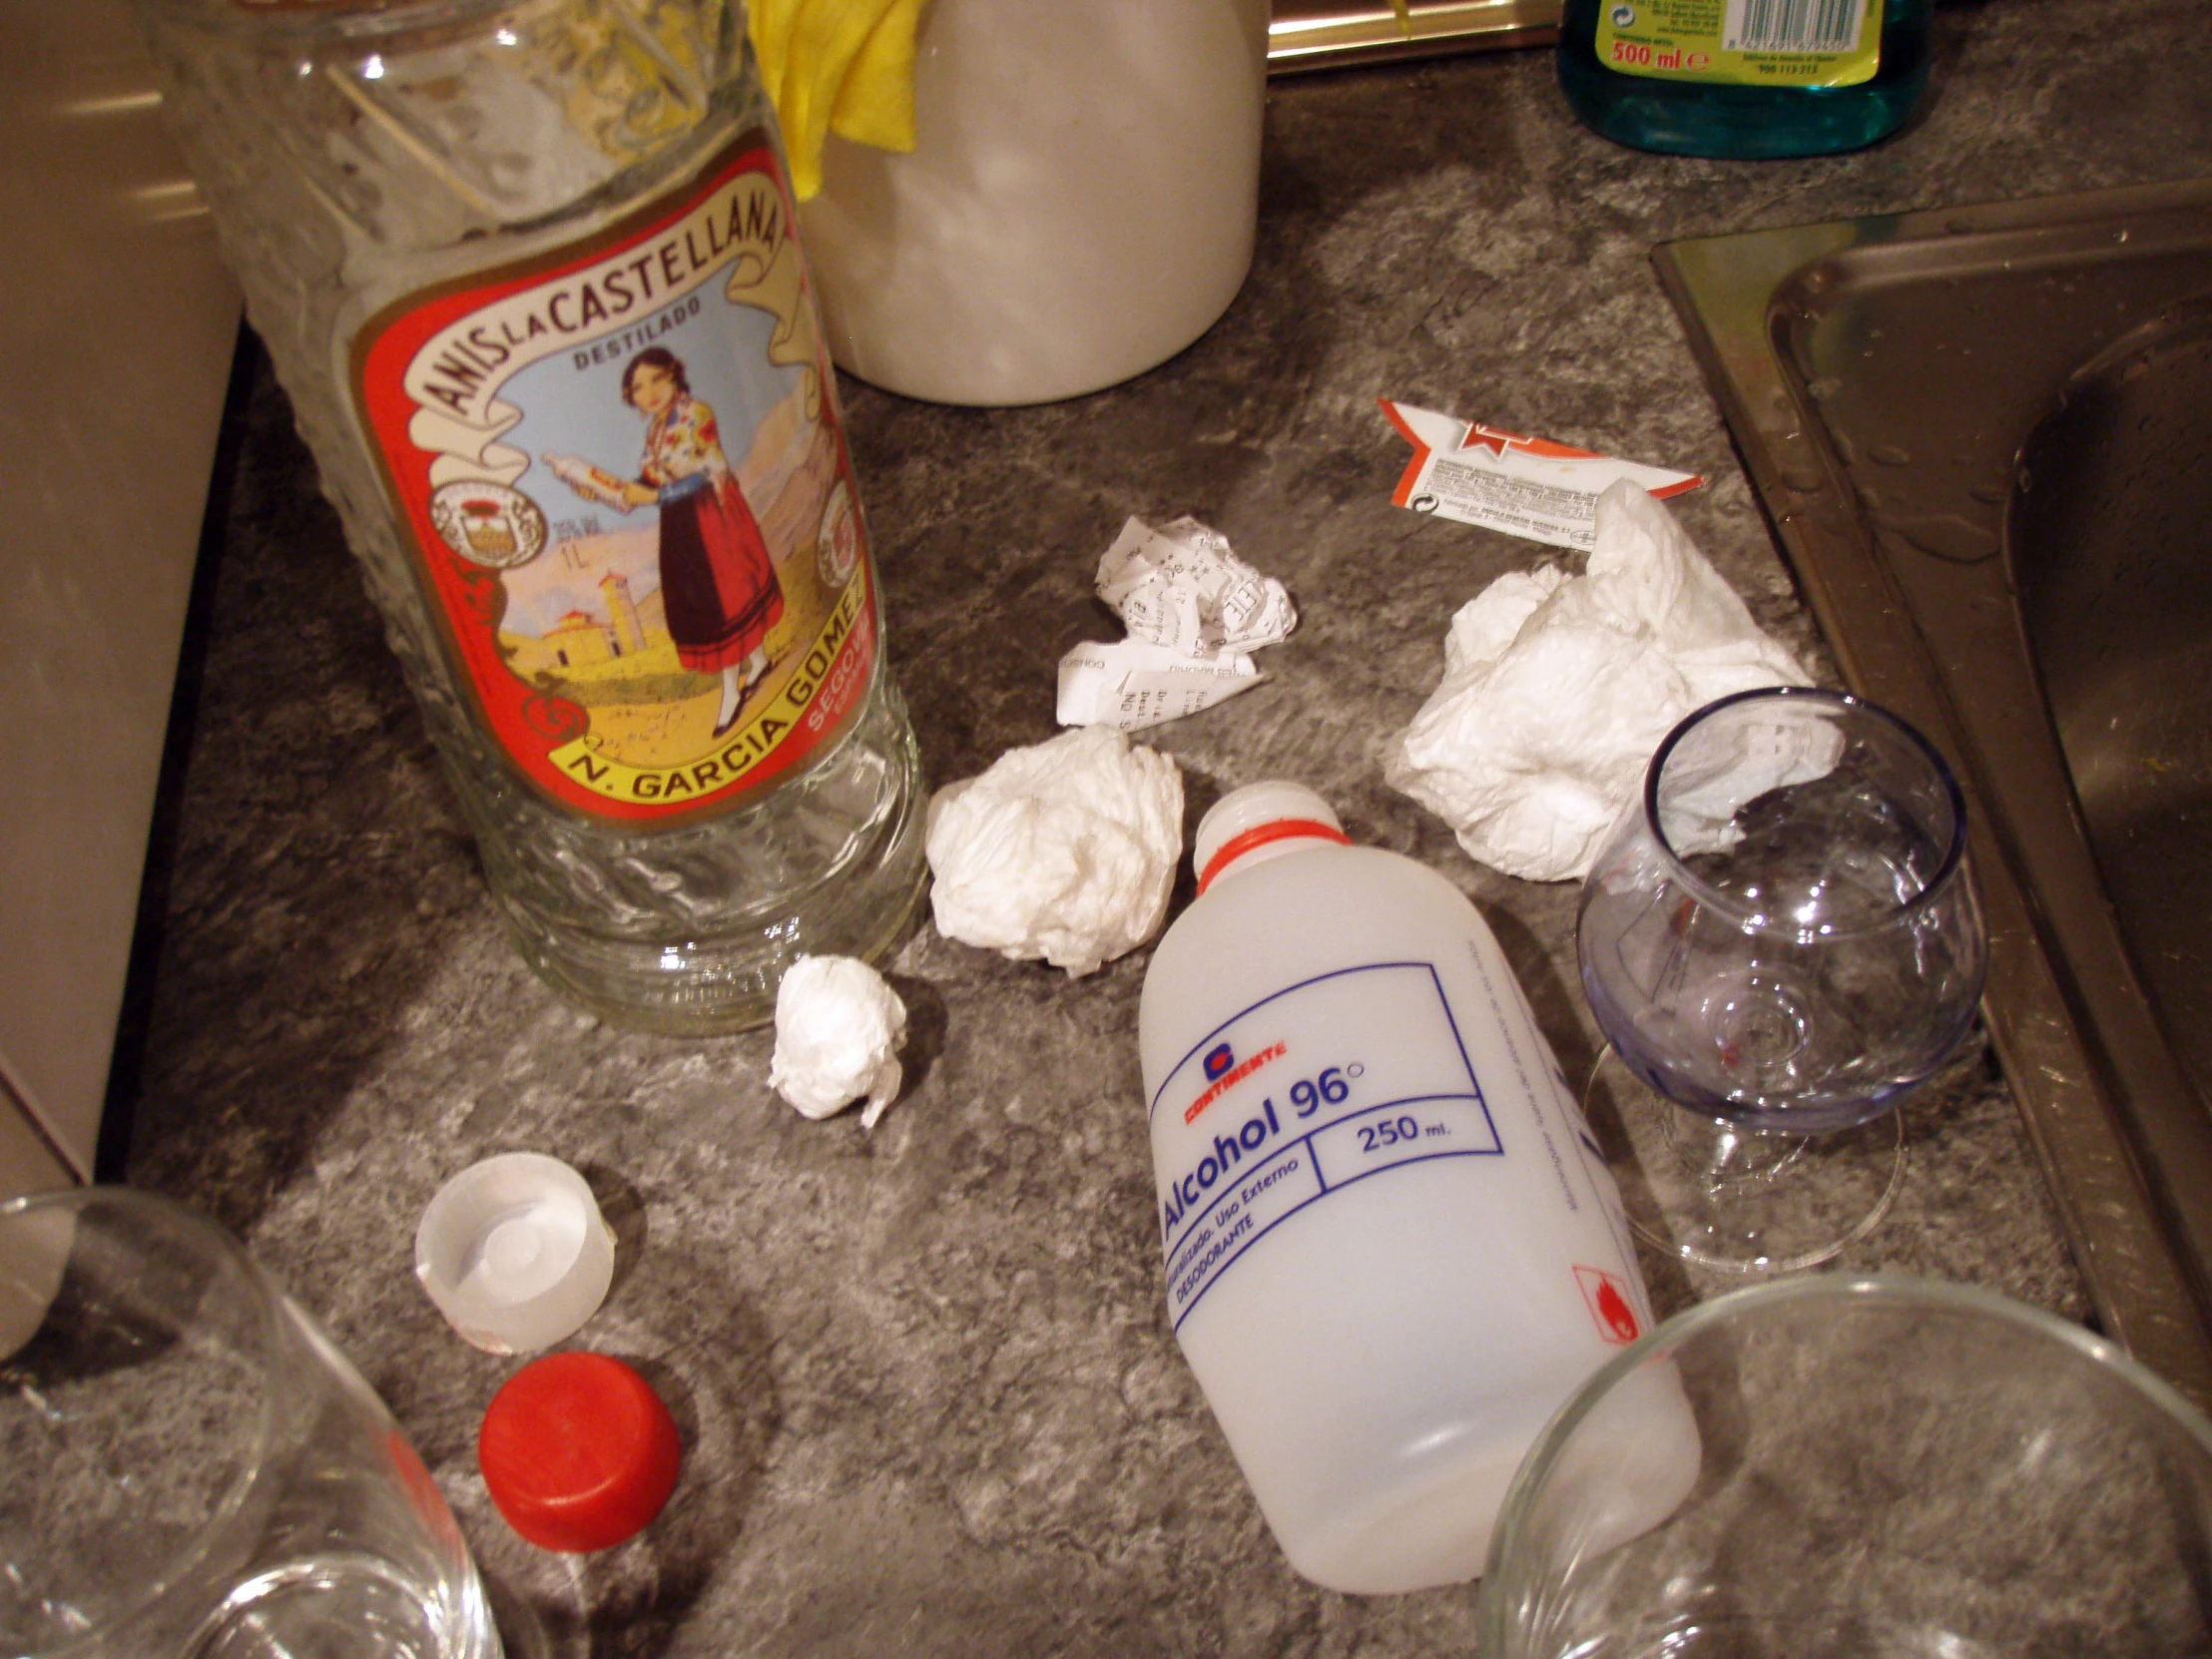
pixel 1609 1299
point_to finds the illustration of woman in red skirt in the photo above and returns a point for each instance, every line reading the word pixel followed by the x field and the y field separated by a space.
pixel 718 583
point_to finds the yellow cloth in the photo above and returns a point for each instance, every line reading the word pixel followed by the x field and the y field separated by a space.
pixel 843 66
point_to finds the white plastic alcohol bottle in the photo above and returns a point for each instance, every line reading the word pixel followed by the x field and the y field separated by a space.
pixel 1392 1247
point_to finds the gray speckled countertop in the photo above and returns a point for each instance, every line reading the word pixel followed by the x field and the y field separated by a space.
pixel 929 1396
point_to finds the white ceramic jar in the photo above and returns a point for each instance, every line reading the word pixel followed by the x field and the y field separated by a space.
pixel 1079 208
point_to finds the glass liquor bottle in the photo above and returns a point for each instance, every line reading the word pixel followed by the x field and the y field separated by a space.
pixel 529 272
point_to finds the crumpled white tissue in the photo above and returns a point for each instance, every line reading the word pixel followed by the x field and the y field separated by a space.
pixel 837 1030
pixel 1063 850
pixel 1195 612
pixel 1558 687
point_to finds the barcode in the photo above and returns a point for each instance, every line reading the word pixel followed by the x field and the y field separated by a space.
pixel 1793 25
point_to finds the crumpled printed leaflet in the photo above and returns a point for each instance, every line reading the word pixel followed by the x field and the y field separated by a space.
pixel 1524 486
pixel 1558 687
pixel 1194 612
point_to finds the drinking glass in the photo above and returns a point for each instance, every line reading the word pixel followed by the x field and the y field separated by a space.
pixel 1826 1465
pixel 193 1468
pixel 1780 940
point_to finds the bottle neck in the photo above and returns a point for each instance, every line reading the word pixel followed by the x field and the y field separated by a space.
pixel 1240 847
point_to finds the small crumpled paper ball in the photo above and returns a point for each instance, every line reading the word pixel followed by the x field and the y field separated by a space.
pixel 1064 851
pixel 837 1030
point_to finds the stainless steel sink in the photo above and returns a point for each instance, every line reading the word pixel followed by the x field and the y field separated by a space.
pixel 1985 440
pixel 2110 546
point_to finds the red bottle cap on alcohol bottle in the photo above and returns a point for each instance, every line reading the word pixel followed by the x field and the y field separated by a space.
pixel 578 1451
pixel 1258 816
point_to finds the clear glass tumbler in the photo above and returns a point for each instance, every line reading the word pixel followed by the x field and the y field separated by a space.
pixel 193 1468
pixel 1860 1466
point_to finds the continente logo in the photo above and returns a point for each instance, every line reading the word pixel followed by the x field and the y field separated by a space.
pixel 1224 1072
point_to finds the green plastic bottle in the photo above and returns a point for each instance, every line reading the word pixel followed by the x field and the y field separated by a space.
pixel 1744 78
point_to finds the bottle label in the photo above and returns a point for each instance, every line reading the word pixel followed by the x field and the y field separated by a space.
pixel 1759 43
pixel 630 501
pixel 1270 1123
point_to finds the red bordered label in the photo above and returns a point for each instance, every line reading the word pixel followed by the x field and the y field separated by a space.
pixel 630 501
pixel 1613 1304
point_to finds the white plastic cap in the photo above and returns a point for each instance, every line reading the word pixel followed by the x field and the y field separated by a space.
pixel 515 1253
pixel 1255 807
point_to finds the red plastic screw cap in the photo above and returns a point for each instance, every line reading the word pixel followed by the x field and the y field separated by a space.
pixel 578 1451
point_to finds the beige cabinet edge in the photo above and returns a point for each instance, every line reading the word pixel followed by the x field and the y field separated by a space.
pixel 115 349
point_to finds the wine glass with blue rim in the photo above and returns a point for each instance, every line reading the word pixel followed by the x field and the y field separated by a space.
pixel 1779 941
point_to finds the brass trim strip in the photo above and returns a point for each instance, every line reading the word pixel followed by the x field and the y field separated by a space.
pixel 1314 34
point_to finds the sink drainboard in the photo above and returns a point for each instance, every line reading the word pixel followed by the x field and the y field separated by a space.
pixel 1984 438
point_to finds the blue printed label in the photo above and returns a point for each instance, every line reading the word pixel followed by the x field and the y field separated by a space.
pixel 1333 1080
